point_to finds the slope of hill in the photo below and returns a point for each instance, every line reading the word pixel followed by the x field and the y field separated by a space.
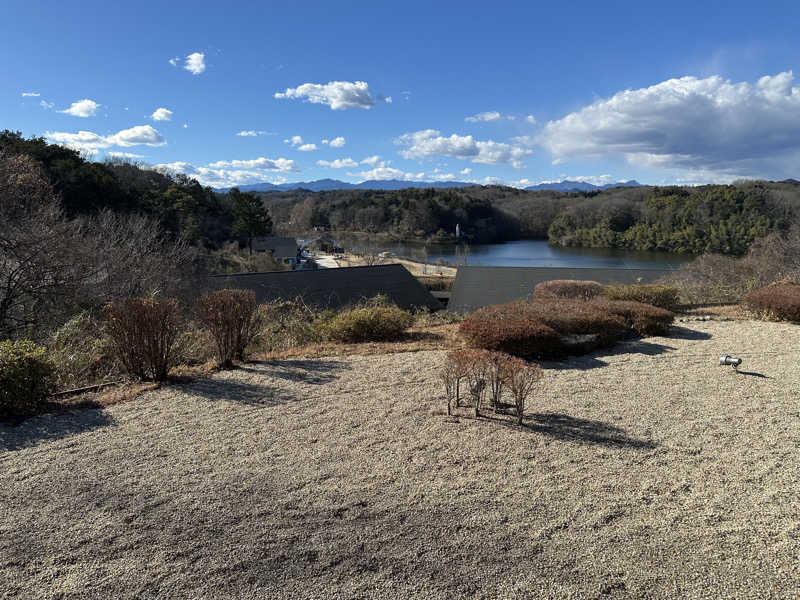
pixel 323 185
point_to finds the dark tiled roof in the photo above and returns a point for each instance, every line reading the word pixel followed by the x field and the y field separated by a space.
pixel 281 247
pixel 476 287
pixel 334 288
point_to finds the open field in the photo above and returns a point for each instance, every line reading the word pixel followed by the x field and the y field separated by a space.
pixel 649 474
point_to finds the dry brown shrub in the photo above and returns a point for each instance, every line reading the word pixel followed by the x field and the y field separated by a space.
pixel 144 332
pixel 578 317
pixel 663 296
pixel 640 319
pixel 513 328
pixel 521 378
pixel 775 302
pixel 232 318
pixel 567 289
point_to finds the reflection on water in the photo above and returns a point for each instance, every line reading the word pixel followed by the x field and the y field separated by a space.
pixel 529 253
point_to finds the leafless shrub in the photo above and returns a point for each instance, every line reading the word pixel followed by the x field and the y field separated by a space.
pixel 567 289
pixel 521 378
pixel 663 296
pixel 775 302
pixel 232 318
pixel 144 332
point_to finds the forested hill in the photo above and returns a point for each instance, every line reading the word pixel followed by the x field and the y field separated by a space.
pixel 714 218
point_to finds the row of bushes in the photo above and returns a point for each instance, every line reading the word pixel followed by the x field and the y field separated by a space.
pixel 548 329
pixel 484 373
pixel 779 302
pixel 662 296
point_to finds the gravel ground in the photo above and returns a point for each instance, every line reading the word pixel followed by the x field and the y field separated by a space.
pixel 649 472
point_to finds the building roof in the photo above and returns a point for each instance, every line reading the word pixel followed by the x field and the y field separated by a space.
pixel 281 247
pixel 476 287
pixel 334 288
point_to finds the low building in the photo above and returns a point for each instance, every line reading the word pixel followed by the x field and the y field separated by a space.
pixel 476 287
pixel 335 288
pixel 284 249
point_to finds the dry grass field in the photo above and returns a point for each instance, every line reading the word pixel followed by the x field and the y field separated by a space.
pixel 645 472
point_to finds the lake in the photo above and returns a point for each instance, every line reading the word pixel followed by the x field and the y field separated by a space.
pixel 529 253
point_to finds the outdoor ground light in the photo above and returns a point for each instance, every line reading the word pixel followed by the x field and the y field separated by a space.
pixel 730 360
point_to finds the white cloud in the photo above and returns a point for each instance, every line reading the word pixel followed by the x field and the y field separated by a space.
pixel 251 133
pixel 261 163
pixel 195 63
pixel 388 99
pixel 174 61
pixel 46 105
pixel 701 125
pixel 386 173
pixel 525 140
pixel 492 115
pixel 143 135
pixel 30 94
pixel 339 95
pixel 337 142
pixel 429 142
pixel 371 160
pixel 339 163
pixel 465 171
pixel 593 179
pixel 307 147
pixel 162 114
pixel 124 155
pixel 243 172
pixel 295 140
pixel 186 126
pixel 531 119
pixel 82 108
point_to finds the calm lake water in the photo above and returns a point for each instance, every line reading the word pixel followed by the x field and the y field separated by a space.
pixel 530 253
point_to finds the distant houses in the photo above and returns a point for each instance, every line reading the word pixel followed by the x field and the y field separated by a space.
pixel 284 249
pixel 335 288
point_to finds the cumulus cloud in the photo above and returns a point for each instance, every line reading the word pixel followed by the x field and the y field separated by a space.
pixel 387 173
pixel 430 142
pixel 465 171
pixel 531 119
pixel 251 133
pixel 195 63
pixel 141 135
pixel 162 114
pixel 230 173
pixel 339 95
pixel 174 61
pixel 371 160
pixel 307 147
pixel 130 155
pixel 336 142
pixel 261 163
pixel 492 115
pixel 704 125
pixel 339 163
pixel 46 105
pixel 388 99
pixel 82 108
pixel 30 94
pixel 295 140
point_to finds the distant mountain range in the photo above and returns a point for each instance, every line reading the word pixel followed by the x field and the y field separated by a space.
pixel 322 185
pixel 580 186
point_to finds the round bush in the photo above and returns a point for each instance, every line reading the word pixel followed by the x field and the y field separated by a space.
pixel 26 378
pixel 662 296
pixel 569 289
pixel 369 324
pixel 578 317
pixel 640 319
pixel 780 302
pixel 514 329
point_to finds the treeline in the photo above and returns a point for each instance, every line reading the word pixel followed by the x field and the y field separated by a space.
pixel 183 208
pixel 724 219
pixel 422 214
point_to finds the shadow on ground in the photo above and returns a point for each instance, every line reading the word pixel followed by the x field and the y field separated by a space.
pixel 53 426
pixel 684 333
pixel 572 429
pixel 316 372
pixel 252 394
pixel 594 360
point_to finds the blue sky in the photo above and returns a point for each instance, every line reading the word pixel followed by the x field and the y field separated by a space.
pixel 516 93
